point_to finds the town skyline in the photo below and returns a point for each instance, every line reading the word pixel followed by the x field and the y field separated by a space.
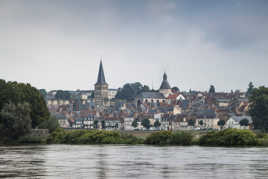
pixel 60 48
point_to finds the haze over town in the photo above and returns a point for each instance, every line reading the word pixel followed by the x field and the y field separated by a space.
pixel 58 45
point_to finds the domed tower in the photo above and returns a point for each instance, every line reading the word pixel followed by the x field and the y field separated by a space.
pixel 165 88
pixel 101 88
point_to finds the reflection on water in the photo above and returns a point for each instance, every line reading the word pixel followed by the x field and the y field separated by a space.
pixel 122 161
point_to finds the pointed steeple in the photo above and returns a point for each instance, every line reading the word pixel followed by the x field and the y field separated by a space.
pixel 101 77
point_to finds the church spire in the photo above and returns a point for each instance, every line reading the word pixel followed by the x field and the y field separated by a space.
pixel 101 77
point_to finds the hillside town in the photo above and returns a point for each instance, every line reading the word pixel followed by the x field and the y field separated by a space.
pixel 167 108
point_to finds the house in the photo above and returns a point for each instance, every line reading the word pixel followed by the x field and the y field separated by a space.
pixel 78 123
pixel 234 122
pixel 206 119
pixel 111 124
pixel 150 97
pixel 127 125
pixel 88 122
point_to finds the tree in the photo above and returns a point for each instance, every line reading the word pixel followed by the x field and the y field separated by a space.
pixel 103 124
pixel 43 92
pixel 221 123
pixel 212 89
pixel 191 122
pixel 201 123
pixel 15 120
pixel 63 95
pixel 157 124
pixel 20 93
pixel 250 89
pixel 51 124
pixel 175 89
pixel 146 123
pixel 258 108
pixel 135 123
pixel 131 90
pixel 95 124
pixel 244 122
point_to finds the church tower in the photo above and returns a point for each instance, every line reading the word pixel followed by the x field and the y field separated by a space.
pixel 101 89
pixel 165 88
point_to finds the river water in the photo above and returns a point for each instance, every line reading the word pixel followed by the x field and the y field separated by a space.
pixel 139 161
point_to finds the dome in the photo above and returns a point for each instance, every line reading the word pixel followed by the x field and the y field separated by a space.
pixel 165 84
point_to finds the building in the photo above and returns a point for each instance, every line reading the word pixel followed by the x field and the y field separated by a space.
pixel 234 122
pixel 101 89
pixel 150 97
pixel 165 88
pixel 112 93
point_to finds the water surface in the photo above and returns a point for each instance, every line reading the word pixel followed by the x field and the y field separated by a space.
pixel 123 161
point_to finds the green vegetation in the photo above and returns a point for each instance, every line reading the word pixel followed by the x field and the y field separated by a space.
pixel 131 90
pixel 221 123
pixel 135 123
pixel 259 108
pixel 146 123
pixel 229 137
pixel 22 107
pixel 92 137
pixel 13 92
pixel 15 121
pixel 157 124
pixel 250 89
pixel 169 138
pixel 63 95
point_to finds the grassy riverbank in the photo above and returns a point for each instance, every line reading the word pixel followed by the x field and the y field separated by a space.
pixel 226 138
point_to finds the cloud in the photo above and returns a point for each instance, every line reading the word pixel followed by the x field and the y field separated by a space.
pixel 58 45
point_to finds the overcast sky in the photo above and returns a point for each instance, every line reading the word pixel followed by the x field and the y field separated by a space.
pixel 58 44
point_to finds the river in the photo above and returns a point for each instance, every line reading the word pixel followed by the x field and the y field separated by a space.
pixel 138 161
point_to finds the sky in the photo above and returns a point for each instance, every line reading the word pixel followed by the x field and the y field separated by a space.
pixel 58 44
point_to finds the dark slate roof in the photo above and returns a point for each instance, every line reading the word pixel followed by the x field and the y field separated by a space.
pixel 101 77
pixel 206 113
pixel 152 95
pixel 165 84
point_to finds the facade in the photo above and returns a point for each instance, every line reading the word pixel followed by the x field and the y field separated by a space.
pixel 101 89
pixel 234 122
pixel 151 97
pixel 112 93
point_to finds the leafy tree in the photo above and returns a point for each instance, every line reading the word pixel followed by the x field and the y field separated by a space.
pixel 131 90
pixel 135 123
pixel 175 89
pixel 95 124
pixel 250 89
pixel 157 124
pixel 43 92
pixel 191 122
pixel 64 95
pixel 259 108
pixel 103 124
pixel 15 120
pixel 221 123
pixel 20 93
pixel 201 123
pixel 146 123
pixel 51 124
pixel 244 122
pixel 212 89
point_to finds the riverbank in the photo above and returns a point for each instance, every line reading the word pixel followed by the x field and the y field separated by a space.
pixel 225 138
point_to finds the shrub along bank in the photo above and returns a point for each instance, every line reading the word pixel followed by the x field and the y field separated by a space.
pixel 92 137
pixel 227 138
